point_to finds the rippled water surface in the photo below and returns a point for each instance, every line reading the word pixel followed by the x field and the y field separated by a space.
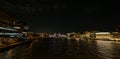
pixel 65 49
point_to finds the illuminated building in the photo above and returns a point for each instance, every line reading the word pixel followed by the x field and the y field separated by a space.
pixel 11 28
pixel 33 35
pixel 87 34
pixel 73 35
pixel 44 35
pixel 57 35
pixel 103 35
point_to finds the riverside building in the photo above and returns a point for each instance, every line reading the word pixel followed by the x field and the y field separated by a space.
pixel 11 29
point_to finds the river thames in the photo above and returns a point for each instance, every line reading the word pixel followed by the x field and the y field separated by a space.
pixel 65 49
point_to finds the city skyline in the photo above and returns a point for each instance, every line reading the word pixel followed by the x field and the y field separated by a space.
pixel 59 29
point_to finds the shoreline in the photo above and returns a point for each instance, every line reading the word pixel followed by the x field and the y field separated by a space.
pixel 3 49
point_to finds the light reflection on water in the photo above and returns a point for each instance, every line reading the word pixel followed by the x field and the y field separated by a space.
pixel 65 49
pixel 109 49
pixel 20 52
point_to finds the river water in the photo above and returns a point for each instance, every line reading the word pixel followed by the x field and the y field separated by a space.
pixel 65 49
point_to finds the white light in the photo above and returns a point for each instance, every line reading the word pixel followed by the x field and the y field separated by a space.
pixel 103 33
pixel 17 27
pixel 11 34
pixel 7 29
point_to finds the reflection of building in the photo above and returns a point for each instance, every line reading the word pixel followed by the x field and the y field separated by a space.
pixel 11 28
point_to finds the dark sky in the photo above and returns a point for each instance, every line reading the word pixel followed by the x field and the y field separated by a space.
pixel 64 15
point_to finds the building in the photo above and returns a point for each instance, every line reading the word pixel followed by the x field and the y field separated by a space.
pixel 11 29
pixel 103 35
pixel 73 35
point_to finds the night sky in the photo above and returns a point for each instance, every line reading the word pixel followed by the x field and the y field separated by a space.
pixel 64 15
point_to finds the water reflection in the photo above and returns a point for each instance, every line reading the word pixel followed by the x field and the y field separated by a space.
pixel 8 55
pixel 65 49
pixel 20 52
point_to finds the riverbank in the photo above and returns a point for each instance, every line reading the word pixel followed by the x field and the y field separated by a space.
pixel 112 39
pixel 7 47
